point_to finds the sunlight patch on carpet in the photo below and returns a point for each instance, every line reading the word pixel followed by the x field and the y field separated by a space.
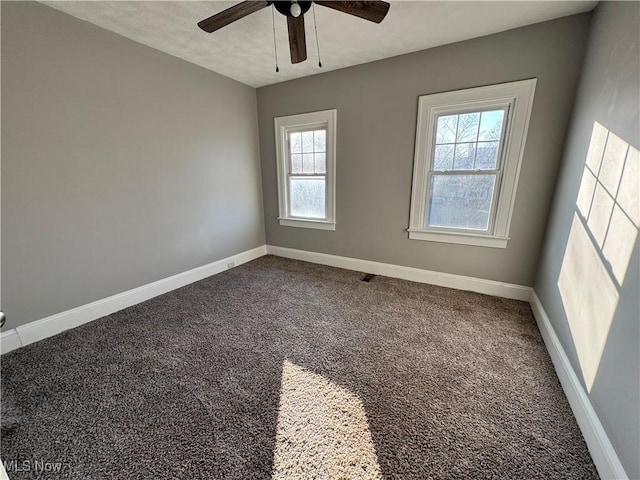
pixel 322 430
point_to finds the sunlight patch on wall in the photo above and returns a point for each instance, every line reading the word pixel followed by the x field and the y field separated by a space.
pixel 625 218
pixel 601 241
pixel 322 430
pixel 609 198
pixel 590 299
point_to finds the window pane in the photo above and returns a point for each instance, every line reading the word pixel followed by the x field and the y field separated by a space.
pixel 296 163
pixel 443 158
pixel 491 125
pixel 487 156
pixel 308 197
pixel 320 140
pixel 464 156
pixel 446 132
pixel 468 127
pixel 307 142
pixel 307 163
pixel 295 140
pixel 460 201
pixel 320 162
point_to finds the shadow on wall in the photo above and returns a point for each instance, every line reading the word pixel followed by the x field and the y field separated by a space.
pixel 603 235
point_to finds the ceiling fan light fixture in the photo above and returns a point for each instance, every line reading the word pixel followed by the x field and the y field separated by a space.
pixel 296 10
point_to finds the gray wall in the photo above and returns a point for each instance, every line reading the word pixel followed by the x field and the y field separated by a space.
pixel 377 108
pixel 121 165
pixel 608 94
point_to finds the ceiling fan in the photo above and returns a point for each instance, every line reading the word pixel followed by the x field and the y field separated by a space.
pixel 374 11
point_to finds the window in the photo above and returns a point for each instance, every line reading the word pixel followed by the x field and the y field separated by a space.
pixel 469 146
pixel 305 149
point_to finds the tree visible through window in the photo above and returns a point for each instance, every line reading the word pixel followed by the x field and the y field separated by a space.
pixel 469 147
pixel 464 169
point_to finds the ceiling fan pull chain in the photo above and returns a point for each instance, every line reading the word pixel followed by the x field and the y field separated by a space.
pixel 275 48
pixel 315 27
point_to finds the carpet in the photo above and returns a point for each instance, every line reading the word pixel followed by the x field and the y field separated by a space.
pixel 286 369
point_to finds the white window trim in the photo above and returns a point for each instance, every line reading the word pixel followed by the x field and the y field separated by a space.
pixel 306 120
pixel 518 96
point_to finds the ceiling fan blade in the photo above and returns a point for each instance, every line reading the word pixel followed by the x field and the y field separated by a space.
pixel 230 15
pixel 373 11
pixel 297 41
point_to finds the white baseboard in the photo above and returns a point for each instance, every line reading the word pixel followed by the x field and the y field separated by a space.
pixel 460 282
pixel 3 472
pixel 54 324
pixel 9 340
pixel 49 326
pixel 600 447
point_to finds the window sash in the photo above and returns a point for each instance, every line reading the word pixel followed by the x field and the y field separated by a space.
pixel 302 217
pixel 287 140
pixel 497 172
pixel 301 175
pixel 501 142
pixel 492 210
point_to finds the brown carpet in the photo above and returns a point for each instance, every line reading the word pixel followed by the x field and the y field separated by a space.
pixel 284 369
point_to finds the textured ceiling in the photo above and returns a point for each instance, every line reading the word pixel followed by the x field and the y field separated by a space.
pixel 244 50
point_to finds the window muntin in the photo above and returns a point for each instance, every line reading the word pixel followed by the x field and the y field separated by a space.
pixel 469 149
pixel 305 153
pixel 465 168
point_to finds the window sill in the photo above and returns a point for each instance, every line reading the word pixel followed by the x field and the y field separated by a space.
pixel 300 223
pixel 459 238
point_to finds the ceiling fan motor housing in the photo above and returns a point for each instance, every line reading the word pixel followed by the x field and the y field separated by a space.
pixel 284 7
